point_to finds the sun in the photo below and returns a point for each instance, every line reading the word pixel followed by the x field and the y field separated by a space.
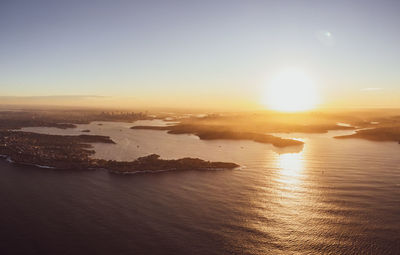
pixel 290 91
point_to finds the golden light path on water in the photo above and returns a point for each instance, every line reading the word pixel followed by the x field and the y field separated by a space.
pixel 292 198
pixel 291 166
pixel 290 188
pixel 291 206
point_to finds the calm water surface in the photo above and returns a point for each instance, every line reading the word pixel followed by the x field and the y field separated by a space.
pixel 330 196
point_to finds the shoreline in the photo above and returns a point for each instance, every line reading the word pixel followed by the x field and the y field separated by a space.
pixel 232 166
pixel 211 133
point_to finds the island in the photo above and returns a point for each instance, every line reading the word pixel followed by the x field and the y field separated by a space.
pixel 74 152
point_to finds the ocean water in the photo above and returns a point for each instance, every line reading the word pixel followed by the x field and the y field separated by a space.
pixel 329 196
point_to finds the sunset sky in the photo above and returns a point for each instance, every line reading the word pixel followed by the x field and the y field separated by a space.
pixel 197 53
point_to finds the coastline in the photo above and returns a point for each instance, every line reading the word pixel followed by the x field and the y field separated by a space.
pixel 381 134
pixel 233 166
pixel 212 133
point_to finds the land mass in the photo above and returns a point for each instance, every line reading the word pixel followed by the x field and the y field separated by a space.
pixel 153 163
pixel 62 119
pixel 74 152
pixel 376 134
pixel 206 132
pixel 259 126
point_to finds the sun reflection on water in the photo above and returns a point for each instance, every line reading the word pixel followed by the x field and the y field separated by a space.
pixel 291 166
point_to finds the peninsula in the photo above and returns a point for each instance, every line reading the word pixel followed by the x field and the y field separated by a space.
pixel 205 132
pixel 376 134
pixel 74 152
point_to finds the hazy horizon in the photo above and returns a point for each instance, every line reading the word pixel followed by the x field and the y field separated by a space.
pixel 209 54
pixel 80 102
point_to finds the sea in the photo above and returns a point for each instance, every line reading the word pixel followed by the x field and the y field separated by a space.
pixel 330 196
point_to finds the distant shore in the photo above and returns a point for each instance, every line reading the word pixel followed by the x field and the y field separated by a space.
pixel 382 134
pixel 213 133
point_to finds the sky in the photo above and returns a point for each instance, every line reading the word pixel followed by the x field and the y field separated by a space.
pixel 219 53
